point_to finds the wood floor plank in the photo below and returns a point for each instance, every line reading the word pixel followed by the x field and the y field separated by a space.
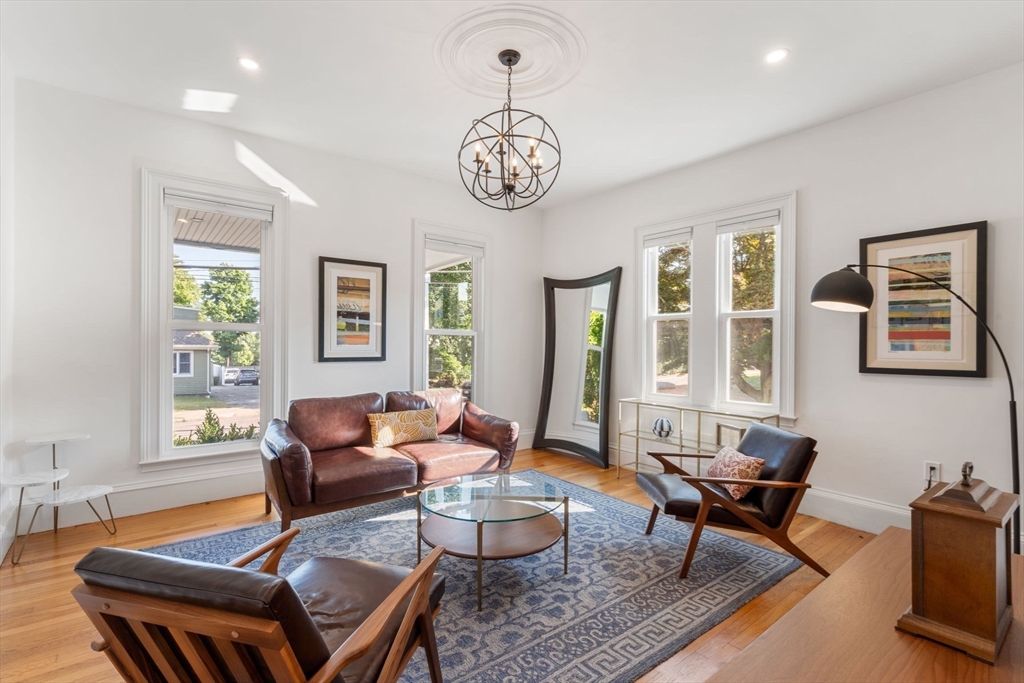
pixel 45 636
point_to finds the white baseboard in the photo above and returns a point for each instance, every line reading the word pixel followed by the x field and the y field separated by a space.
pixel 138 497
pixel 525 439
pixel 855 512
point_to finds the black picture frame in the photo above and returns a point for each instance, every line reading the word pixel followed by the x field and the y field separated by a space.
pixel 325 355
pixel 979 302
pixel 598 456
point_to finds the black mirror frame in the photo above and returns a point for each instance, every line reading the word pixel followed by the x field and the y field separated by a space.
pixel 597 456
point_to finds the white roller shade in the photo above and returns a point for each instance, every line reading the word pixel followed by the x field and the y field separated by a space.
pixel 666 237
pixel 765 219
pixel 259 212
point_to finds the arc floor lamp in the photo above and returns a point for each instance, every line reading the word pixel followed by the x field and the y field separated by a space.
pixel 849 291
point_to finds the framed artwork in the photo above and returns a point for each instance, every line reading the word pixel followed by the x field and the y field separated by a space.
pixel 916 327
pixel 353 310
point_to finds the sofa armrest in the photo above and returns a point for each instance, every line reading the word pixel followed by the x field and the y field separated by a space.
pixel 500 434
pixel 296 463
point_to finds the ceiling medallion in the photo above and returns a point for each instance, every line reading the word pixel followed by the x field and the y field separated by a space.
pixel 510 158
pixel 553 50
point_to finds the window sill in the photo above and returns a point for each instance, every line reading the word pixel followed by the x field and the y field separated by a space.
pixel 586 427
pixel 249 453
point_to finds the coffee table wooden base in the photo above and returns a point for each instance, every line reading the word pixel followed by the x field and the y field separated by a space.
pixel 494 540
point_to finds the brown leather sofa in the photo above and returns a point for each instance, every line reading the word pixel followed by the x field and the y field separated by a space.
pixel 322 459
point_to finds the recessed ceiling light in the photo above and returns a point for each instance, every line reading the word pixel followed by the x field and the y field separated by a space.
pixel 249 63
pixel 209 100
pixel 776 55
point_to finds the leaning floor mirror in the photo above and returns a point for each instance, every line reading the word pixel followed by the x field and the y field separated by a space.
pixel 579 328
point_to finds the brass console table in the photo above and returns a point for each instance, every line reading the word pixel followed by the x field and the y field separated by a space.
pixel 678 441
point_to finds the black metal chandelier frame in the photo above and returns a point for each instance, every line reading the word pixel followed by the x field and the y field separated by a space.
pixel 490 155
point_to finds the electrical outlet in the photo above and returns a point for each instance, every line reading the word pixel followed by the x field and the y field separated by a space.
pixel 932 473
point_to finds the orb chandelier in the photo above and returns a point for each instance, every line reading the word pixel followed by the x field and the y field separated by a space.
pixel 509 159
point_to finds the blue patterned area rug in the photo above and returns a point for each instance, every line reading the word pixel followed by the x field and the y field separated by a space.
pixel 619 612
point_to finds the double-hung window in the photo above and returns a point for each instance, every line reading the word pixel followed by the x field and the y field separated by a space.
pixel 208 306
pixel 716 307
pixel 451 331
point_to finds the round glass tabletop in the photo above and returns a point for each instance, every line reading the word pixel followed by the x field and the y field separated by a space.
pixel 492 498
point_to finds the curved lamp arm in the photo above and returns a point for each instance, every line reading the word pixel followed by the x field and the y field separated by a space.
pixel 999 348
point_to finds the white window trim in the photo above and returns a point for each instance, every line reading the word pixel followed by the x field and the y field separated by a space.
pixel 703 276
pixel 177 364
pixel 482 304
pixel 155 240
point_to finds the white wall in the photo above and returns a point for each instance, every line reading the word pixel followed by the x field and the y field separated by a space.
pixel 76 307
pixel 6 289
pixel 948 156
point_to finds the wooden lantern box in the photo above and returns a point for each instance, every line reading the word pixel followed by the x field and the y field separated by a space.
pixel 961 567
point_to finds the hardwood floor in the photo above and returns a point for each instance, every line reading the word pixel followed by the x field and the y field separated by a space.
pixel 45 636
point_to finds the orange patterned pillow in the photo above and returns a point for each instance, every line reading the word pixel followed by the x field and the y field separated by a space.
pixel 731 464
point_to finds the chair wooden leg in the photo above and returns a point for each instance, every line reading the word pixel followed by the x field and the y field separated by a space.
pixel 266 503
pixel 782 540
pixel 698 527
pixel 286 521
pixel 650 524
pixel 429 643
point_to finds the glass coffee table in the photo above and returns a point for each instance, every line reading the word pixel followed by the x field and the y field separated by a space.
pixel 492 517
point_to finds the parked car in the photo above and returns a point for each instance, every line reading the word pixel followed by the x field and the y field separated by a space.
pixel 230 375
pixel 247 377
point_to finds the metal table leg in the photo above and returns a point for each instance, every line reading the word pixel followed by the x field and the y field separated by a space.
pixel 479 565
pixel 419 528
pixel 565 532
pixel 16 557
pixel 113 522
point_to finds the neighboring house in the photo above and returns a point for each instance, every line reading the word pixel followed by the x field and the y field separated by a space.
pixel 193 367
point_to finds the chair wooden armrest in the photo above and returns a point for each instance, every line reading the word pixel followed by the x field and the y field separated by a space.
pixel 747 482
pixel 363 638
pixel 278 544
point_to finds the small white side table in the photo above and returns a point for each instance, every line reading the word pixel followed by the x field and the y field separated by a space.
pixel 56 497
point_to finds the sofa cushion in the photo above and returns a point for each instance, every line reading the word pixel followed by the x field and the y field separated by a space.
pixel 447 403
pixel 676 497
pixel 241 591
pixel 391 429
pixel 340 594
pixel 344 473
pixel 327 423
pixel 452 455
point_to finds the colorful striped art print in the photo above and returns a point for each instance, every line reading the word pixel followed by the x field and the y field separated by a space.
pixel 919 310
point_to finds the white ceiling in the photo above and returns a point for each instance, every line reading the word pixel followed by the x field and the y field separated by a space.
pixel 664 84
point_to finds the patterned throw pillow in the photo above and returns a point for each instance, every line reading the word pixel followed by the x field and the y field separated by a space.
pixel 731 464
pixel 391 429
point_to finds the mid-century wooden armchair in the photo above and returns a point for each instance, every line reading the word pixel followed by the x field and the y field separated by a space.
pixel 167 619
pixel 768 509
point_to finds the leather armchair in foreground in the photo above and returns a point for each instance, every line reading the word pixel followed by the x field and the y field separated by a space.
pixel 332 620
pixel 322 459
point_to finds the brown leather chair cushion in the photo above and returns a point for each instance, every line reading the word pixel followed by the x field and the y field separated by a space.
pixel 450 456
pixel 446 402
pixel 345 473
pixel 676 497
pixel 785 456
pixel 340 594
pixel 296 464
pixel 326 423
pixel 241 591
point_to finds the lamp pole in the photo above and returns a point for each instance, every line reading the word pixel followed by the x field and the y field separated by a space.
pixel 1014 441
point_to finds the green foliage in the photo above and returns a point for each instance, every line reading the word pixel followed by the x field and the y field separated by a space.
pixel 450 307
pixel 210 430
pixel 674 278
pixel 592 386
pixel 228 297
pixel 596 332
pixel 186 289
pixel 753 289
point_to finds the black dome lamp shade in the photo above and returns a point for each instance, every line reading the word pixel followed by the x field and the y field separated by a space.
pixel 844 290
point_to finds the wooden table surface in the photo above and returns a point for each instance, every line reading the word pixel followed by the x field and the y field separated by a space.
pixel 845 630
